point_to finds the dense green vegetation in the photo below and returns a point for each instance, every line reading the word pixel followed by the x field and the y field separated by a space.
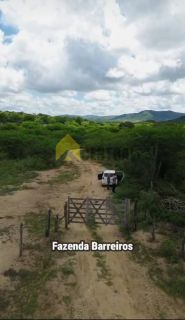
pixel 147 151
pixel 27 143
pixel 151 154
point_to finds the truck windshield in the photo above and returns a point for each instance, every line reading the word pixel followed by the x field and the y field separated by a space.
pixel 108 175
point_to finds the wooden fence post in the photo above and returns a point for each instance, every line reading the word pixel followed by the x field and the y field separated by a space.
pixel 124 213
pixel 107 209
pixel 48 223
pixel 66 215
pixel 183 247
pixel 21 240
pixel 135 214
pixel 87 210
pixel 127 213
pixel 153 228
pixel 56 223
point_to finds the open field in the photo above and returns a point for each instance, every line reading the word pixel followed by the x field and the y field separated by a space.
pixel 78 285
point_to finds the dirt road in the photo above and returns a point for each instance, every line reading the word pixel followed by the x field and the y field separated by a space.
pixel 124 292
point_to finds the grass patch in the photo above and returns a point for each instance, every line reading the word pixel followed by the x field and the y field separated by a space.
pixel 67 269
pixel 100 258
pixel 65 176
pixel 71 253
pixel 29 284
pixel 33 246
pixel 176 287
pixel 91 221
pixel 4 301
pixel 5 231
pixel 101 264
pixel 67 300
pixel 109 283
pixel 141 254
pixel 71 284
pixel 125 232
pixel 36 223
pixel 168 250
pixel 170 277
pixel 96 236
pixel 93 227
pixel 172 281
pixel 11 273
pixel 13 173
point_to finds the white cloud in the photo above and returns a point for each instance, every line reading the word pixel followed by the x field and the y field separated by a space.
pixel 138 67
pixel 101 56
pixel 99 95
pixel 11 80
pixel 179 87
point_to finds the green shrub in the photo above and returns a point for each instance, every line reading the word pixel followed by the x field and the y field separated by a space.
pixel 168 250
pixel 175 283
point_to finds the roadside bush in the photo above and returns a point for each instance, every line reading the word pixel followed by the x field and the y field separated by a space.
pixel 168 250
pixel 175 282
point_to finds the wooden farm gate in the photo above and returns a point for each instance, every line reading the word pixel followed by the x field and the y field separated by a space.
pixel 100 211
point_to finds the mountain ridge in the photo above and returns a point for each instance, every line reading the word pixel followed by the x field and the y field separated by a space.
pixel 146 115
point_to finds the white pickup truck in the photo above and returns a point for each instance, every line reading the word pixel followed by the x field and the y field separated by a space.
pixel 106 174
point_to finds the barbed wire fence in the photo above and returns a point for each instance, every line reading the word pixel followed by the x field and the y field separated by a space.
pixel 54 227
pixel 47 230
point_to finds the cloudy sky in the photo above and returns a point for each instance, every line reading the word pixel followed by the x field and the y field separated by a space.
pixel 92 56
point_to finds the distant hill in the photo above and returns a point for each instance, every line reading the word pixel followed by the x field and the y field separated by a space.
pixel 98 118
pixel 145 115
pixel 180 119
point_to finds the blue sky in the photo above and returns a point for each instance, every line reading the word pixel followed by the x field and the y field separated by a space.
pixel 92 56
pixel 7 29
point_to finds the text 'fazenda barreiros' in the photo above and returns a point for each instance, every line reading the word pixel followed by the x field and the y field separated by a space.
pixel 92 246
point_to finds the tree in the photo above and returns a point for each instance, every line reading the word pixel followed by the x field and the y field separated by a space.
pixel 78 120
pixel 150 202
pixel 126 124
